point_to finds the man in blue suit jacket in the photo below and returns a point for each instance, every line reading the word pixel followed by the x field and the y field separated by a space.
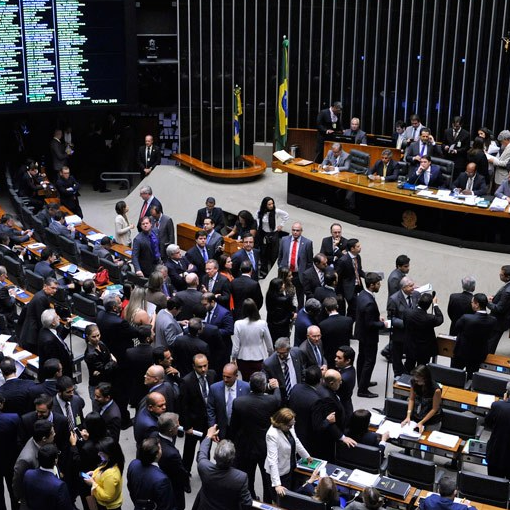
pixel 43 490
pixel 426 173
pixel 9 423
pixel 248 252
pixel 220 317
pixel 296 253
pixel 445 499
pixel 221 397
pixel 146 421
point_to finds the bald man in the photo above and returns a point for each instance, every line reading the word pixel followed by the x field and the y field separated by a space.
pixel 155 382
pixel 146 420
pixel 190 297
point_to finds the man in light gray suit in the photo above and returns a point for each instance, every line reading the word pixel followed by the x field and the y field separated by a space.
pixel 163 226
pixel 167 328
pixel 337 158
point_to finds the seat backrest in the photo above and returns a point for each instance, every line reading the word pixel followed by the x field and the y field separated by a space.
pixel 360 161
pixel 460 424
pixel 34 281
pixel 483 488
pixel 395 409
pixel 113 270
pixel 140 281
pixel 447 167
pixel 448 376
pixel 294 501
pixel 15 270
pixel 70 249
pixel 367 458
pixel 52 239
pixel 490 384
pixel 417 472
pixel 89 260
pixel 403 168
pixel 84 307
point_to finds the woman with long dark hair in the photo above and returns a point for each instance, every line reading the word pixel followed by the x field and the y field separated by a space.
pixel 476 154
pixel 270 222
pixel 122 226
pixel 280 309
pixel 245 224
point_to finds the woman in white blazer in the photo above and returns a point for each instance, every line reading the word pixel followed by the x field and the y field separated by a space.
pixel 122 226
pixel 282 447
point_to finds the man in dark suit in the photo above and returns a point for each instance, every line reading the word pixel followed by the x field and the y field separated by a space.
pixel 398 303
pixel 146 420
pixel 223 486
pixel 329 124
pixel 336 330
pixel 67 403
pixel 360 137
pixel 216 283
pixel 171 460
pixel 334 245
pixel 313 277
pixel 108 409
pixel 311 349
pixel 44 266
pixel 190 297
pixel 210 211
pixel 32 323
pixel 425 146
pixel 456 143
pixel 9 423
pixel 473 332
pixel 146 254
pixel 296 253
pixel 420 342
pixel 146 481
pixel 426 174
pixel 459 303
pixel 248 252
pixel 163 226
pixel 59 157
pixel 49 372
pixel 402 266
pixel 199 254
pixel 243 287
pixel 328 290
pixel 214 240
pixel 302 399
pixel 221 398
pixel 344 363
pixel 285 366
pixel 499 305
pixel 42 489
pixel 385 169
pixel 368 325
pixel 307 316
pixel 155 382
pixel 195 389
pixel 498 446
pixel 68 189
pixel 251 418
pixel 178 266
pixel 350 273
pixel 218 316
pixel 188 345
pixel 328 418
pixel 59 226
pixel 138 360
pixel 470 182
pixel 15 391
pixel 149 200
pixel 149 157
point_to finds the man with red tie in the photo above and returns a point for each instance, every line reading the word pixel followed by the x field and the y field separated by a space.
pixel 149 200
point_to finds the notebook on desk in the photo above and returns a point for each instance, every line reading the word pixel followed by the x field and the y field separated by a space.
pixel 392 487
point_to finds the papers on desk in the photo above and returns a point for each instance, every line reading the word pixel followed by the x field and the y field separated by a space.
pixel 376 419
pixel 36 246
pixel 304 162
pixel 443 439
pixel 396 430
pixel 95 237
pixel 283 156
pixel 81 276
pixel 485 400
pixel 425 193
pixel 498 204
pixel 80 323
pixel 362 478
pixel 7 348
pixel 20 355
pixel 330 172
pixel 34 363
pixel 74 219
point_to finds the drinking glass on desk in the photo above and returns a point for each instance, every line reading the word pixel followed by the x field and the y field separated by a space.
pixel 401 179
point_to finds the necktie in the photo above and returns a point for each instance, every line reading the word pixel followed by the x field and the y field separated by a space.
pixel 356 273
pixel 409 302
pixel 208 317
pixel 286 375
pixel 148 156
pixel 210 285
pixel 164 288
pixel 144 209
pixel 293 256
pixel 385 169
pixel 203 387
pixel 426 177
pixel 455 133
pixel 204 254
pixel 208 239
pixel 252 259
pixel 318 355
pixel 157 224
pixel 69 416
pixel 230 400
pixel 470 184
pixel 321 278
pixel 414 134
pixel 422 150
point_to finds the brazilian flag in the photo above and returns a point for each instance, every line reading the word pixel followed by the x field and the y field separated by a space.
pixel 238 110
pixel 282 112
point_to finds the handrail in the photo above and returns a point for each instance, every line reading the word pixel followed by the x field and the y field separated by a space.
pixel 118 178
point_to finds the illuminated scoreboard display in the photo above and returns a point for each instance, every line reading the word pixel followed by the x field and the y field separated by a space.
pixel 61 53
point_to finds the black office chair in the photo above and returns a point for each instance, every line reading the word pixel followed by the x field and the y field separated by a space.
pixel 15 271
pixel 34 281
pixel 448 376
pixel 114 271
pixel 483 488
pixel 88 260
pixel 38 229
pixel 364 457
pixel 395 409
pixel 464 424
pixel 295 501
pixel 447 167
pixel 62 303
pixel 360 162
pixel 417 472
pixel 84 307
pixel 403 168
pixel 140 281
pixel 69 250
pixel 52 239
pixel 488 384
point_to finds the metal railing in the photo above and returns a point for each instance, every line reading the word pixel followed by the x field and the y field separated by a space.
pixel 120 177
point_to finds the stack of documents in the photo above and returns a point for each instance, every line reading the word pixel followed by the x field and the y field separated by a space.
pixel 362 478
pixel 498 204
pixel 443 439
pixel 396 430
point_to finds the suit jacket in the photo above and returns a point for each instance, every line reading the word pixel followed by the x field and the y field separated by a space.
pixel 59 157
pixel 223 319
pixel 500 307
pixel 138 360
pixel 183 350
pixel 32 323
pixel 48 386
pixel 461 145
pixel 221 286
pixel 347 276
pixel 304 255
pixel 216 215
pixel 346 390
pixel 9 423
pixel 68 198
pixel 242 288
pixel 342 162
pixel 479 186
pixel 112 418
pixel 394 281
pixel 217 407
pixel 171 464
pixel 251 418
pixel 498 446
pixel 420 337
pixel 324 123
pixel 221 488
pixel 44 491
pixel 473 332
pixel 77 405
pixel 196 258
pixel 239 257
pixel 273 369
pixel 60 229
pixel 360 137
pixel 51 347
pixel 435 181
pixel 336 330
pixel 165 233
pixel 333 253
pixel 176 272
pixel 214 242
pixel 392 170
pixel 44 269
pixel 145 425
pixel 310 281
pixel 190 298
pixel 60 425
pixel 303 321
pixel 154 160
pixel 143 258
pixel 153 201
pixel 149 483
pixel 308 356
pixel 503 190
pixel 434 151
pixel 219 356
pixel 367 318
pixel 16 393
pixel 166 389
pixel 459 304
pixel 396 308
pixel 192 404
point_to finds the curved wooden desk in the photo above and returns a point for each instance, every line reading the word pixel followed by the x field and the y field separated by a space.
pixel 256 167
